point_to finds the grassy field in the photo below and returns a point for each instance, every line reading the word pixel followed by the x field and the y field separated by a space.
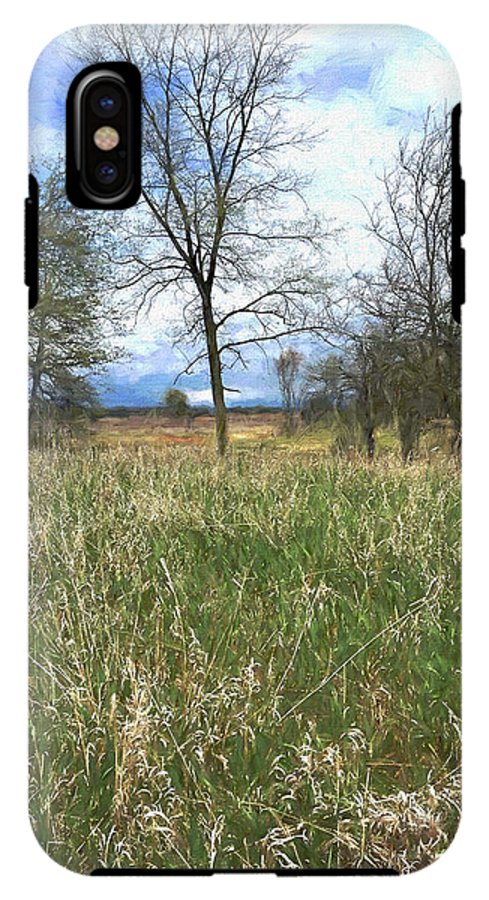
pixel 243 664
pixel 261 430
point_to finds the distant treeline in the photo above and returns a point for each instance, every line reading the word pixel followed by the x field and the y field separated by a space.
pixel 124 412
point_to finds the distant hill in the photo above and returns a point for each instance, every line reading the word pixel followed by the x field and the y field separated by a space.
pixel 144 391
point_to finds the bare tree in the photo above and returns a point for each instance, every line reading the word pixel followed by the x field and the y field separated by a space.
pixel 71 329
pixel 366 375
pixel 410 296
pixel 288 367
pixel 353 382
pixel 326 378
pixel 224 222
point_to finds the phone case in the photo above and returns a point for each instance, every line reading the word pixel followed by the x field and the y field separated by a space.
pixel 244 403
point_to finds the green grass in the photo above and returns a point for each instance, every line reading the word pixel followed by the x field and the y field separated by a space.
pixel 182 610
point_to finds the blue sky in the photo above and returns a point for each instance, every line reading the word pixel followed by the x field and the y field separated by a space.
pixel 368 86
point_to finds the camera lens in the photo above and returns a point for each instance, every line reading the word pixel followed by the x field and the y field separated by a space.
pixel 106 172
pixel 106 101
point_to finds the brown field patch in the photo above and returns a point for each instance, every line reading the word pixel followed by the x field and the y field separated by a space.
pixel 161 430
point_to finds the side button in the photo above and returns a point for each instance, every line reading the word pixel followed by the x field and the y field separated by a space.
pixel 31 239
pixel 458 283
pixel 458 218
pixel 461 216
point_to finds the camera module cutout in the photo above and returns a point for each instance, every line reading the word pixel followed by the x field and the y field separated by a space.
pixel 103 140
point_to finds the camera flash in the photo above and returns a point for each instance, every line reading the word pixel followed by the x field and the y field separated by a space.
pixel 106 138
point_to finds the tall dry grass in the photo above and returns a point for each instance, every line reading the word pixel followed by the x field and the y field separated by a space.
pixel 248 664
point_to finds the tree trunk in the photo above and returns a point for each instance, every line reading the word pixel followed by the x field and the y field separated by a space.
pixel 290 423
pixel 216 377
pixel 409 428
pixel 456 442
pixel 36 374
pixel 370 441
pixel 35 384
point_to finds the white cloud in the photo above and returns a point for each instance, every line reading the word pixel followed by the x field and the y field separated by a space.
pixel 46 143
pixel 416 76
pixel 202 396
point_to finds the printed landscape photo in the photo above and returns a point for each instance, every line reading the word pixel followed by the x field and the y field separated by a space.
pixel 245 438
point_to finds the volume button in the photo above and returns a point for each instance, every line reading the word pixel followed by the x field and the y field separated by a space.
pixel 31 239
pixel 462 207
